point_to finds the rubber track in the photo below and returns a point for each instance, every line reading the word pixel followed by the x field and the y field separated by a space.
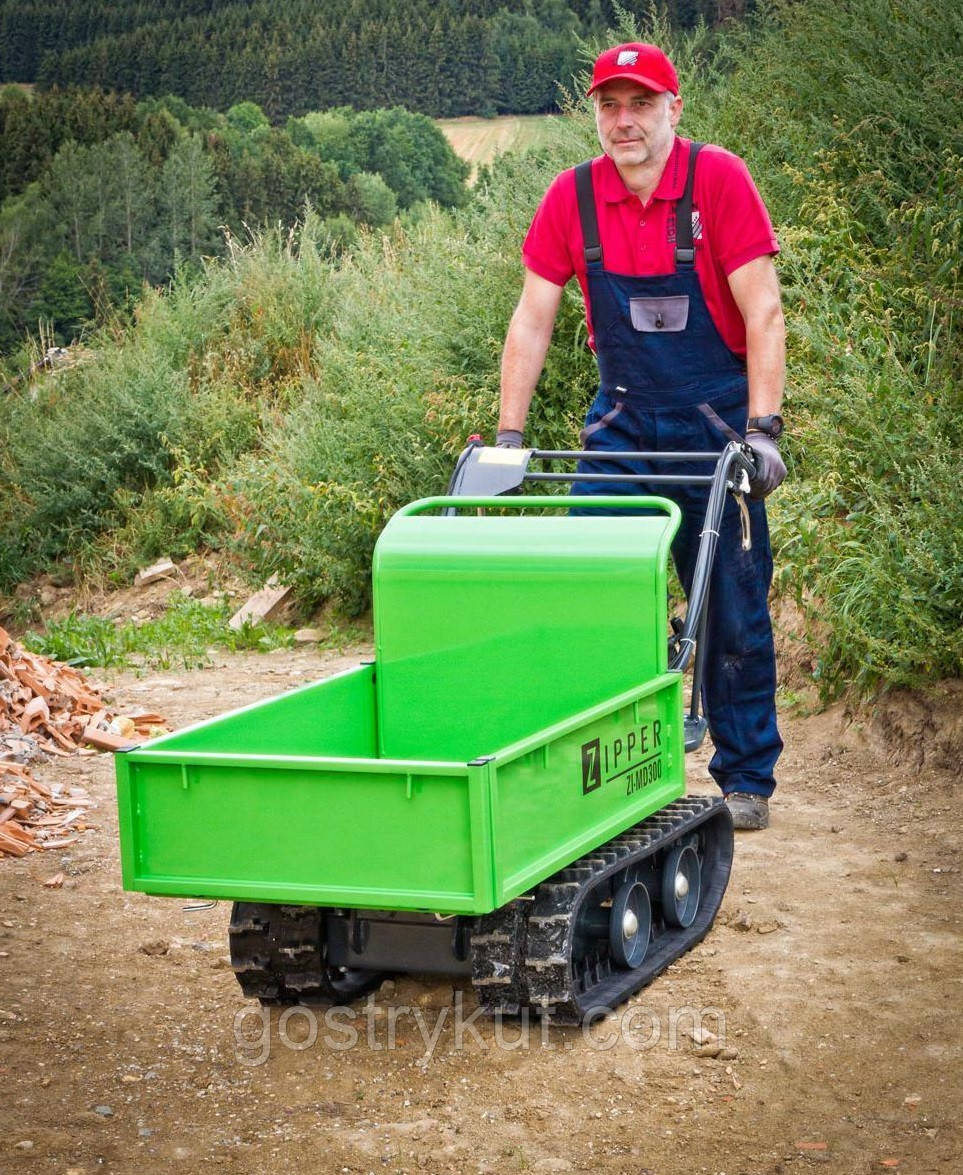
pixel 568 990
pixel 497 958
pixel 277 954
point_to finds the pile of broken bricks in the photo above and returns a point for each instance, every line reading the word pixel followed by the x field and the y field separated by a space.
pixel 48 707
pixel 34 816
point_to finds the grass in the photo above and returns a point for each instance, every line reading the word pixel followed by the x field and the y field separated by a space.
pixel 184 637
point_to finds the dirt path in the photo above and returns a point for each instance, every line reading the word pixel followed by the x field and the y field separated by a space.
pixel 833 983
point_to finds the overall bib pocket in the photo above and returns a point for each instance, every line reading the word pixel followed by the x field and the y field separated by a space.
pixel 669 313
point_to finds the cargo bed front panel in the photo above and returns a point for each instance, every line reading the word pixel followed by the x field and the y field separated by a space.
pixel 488 629
pixel 301 830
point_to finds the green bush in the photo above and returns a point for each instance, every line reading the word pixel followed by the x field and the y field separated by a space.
pixel 206 370
pixel 407 372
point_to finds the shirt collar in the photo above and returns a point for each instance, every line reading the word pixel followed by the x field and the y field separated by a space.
pixel 671 185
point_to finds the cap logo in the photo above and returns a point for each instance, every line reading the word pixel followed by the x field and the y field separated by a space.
pixel 627 57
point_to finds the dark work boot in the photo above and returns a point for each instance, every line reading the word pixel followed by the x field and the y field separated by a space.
pixel 750 813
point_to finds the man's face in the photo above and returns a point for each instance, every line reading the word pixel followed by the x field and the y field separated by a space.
pixel 635 125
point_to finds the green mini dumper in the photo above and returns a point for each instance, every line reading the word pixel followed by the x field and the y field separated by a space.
pixel 500 794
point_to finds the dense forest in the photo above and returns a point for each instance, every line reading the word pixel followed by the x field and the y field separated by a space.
pixel 439 57
pixel 100 194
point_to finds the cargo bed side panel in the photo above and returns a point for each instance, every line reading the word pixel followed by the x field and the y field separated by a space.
pixel 584 782
pixel 335 716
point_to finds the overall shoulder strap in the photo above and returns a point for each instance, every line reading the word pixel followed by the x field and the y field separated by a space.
pixel 585 195
pixel 684 248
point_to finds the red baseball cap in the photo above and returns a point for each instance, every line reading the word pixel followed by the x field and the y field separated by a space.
pixel 635 62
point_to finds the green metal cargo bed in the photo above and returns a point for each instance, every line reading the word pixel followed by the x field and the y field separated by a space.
pixel 340 826
pixel 519 712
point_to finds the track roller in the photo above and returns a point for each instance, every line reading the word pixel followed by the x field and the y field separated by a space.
pixel 681 886
pixel 630 925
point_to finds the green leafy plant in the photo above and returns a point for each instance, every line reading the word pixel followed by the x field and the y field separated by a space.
pixel 183 636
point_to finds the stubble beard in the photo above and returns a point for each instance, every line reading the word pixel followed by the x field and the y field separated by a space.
pixel 649 152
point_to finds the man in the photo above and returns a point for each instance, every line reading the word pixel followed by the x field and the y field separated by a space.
pixel 672 246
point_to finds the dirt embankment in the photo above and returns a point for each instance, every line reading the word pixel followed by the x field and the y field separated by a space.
pixel 828 986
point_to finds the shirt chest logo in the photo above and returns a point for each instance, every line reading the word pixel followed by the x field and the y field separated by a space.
pixel 696 227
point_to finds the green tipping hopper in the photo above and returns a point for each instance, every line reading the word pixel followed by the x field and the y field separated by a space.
pixel 499 794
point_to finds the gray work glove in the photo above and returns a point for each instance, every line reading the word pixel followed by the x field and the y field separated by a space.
pixel 770 467
pixel 508 438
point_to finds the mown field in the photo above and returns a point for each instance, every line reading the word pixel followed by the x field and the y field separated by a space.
pixel 480 140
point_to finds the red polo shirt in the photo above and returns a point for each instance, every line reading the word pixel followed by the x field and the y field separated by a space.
pixel 730 222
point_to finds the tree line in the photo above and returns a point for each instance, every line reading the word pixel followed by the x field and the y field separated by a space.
pixel 99 193
pixel 439 57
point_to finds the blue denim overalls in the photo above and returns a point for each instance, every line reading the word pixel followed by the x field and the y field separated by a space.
pixel 660 358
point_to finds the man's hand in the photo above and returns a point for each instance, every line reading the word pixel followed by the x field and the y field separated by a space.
pixel 770 467
pixel 508 438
